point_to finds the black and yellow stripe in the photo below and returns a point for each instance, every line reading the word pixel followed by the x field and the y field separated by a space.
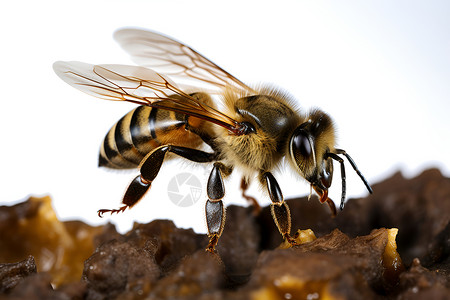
pixel 139 132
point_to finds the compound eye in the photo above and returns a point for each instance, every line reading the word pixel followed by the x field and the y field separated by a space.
pixel 301 144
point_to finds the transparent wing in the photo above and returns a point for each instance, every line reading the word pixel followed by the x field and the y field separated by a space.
pixel 168 56
pixel 138 85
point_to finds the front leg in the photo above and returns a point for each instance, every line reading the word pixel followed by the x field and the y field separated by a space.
pixel 149 169
pixel 280 210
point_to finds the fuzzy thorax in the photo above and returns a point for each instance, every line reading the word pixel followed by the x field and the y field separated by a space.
pixel 251 153
pixel 272 115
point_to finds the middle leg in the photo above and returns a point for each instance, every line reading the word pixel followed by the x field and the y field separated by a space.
pixel 244 186
pixel 215 210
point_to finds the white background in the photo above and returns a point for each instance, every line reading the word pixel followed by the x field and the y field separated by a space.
pixel 381 69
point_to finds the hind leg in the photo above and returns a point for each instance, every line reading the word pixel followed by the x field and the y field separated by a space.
pixel 149 169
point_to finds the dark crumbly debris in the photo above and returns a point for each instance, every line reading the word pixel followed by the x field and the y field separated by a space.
pixel 353 257
pixel 11 274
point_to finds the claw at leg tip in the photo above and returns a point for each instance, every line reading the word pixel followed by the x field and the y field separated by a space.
pixel 102 211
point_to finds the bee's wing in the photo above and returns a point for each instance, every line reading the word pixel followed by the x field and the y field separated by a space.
pixel 138 85
pixel 168 56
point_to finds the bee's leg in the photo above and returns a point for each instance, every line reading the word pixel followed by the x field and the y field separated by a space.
pixel 149 169
pixel 253 201
pixel 215 211
pixel 280 210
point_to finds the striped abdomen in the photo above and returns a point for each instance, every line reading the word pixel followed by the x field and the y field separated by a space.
pixel 139 132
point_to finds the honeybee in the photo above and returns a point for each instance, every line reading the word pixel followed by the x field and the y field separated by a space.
pixel 253 130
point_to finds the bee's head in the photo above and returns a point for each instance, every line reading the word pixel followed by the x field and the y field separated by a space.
pixel 309 146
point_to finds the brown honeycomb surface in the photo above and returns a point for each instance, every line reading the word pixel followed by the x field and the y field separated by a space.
pixel 394 244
